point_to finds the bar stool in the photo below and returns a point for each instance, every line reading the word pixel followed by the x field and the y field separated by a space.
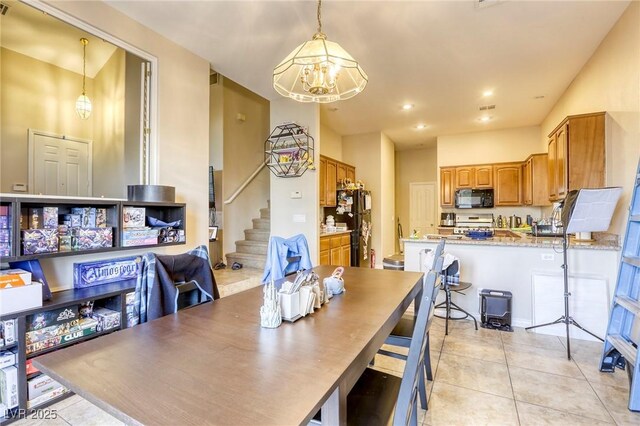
pixel 449 287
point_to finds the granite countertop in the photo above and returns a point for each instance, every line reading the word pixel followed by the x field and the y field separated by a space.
pixel 327 234
pixel 521 241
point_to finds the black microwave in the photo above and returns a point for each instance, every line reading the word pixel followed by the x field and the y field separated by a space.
pixel 474 198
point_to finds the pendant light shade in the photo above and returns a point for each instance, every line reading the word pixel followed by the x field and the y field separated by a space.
pixel 319 70
pixel 83 103
pixel 83 106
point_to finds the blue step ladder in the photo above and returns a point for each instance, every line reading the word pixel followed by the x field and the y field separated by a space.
pixel 623 332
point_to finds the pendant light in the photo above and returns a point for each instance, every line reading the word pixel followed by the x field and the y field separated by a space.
pixel 83 103
pixel 319 71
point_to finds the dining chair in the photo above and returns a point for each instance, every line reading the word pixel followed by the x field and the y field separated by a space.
pixel 286 256
pixel 402 332
pixel 377 396
pixel 168 283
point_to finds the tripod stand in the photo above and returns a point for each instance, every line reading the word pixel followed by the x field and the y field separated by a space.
pixel 566 318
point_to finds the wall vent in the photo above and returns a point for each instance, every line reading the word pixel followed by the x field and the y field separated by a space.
pixel 4 8
pixel 487 107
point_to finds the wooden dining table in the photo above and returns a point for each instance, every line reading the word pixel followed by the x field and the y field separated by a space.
pixel 214 364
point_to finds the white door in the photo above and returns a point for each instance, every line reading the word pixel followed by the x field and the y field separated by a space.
pixel 422 208
pixel 59 165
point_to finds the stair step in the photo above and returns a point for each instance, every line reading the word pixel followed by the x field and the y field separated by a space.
pixel 265 213
pixel 629 304
pixel 624 347
pixel 248 260
pixel 255 247
pixel 257 234
pixel 631 260
pixel 261 223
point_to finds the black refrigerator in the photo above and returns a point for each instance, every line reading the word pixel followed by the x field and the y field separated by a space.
pixel 354 209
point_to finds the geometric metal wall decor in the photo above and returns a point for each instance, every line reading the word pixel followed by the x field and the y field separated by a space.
pixel 289 151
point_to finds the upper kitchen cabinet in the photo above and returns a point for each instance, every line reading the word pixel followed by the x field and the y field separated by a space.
pixel 507 178
pixel 474 177
pixel 323 181
pixel 577 155
pixel 447 188
pixel 535 187
pixel 484 177
pixel 332 174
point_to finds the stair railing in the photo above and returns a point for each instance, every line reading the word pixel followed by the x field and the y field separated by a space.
pixel 245 183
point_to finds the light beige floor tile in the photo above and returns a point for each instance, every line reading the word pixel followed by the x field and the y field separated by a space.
pixel 483 376
pixel 591 370
pixel 534 415
pixel 86 414
pixel 453 405
pixel 540 359
pixel 616 400
pixel 42 422
pixel 584 350
pixel 73 399
pixel 520 336
pixel 474 348
pixel 559 392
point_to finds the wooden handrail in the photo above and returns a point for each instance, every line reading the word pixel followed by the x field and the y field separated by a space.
pixel 245 184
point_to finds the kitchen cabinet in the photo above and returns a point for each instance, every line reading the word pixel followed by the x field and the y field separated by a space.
pixel 323 181
pixel 332 173
pixel 447 188
pixel 535 187
pixel 507 184
pixel 351 173
pixel 576 157
pixel 474 177
pixel 335 250
pixel 341 172
pixel 483 177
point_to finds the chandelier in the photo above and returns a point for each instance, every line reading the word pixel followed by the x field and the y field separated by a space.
pixel 83 103
pixel 319 71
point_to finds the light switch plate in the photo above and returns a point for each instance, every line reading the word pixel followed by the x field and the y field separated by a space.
pixel 299 218
pixel 547 256
pixel 296 194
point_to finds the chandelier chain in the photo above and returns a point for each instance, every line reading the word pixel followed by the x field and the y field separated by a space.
pixel 84 64
pixel 319 16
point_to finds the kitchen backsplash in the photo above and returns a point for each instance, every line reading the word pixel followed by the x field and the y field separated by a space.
pixel 535 212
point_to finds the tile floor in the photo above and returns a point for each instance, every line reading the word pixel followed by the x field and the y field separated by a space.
pixel 485 377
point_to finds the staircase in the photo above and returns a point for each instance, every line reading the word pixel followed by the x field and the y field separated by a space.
pixel 252 251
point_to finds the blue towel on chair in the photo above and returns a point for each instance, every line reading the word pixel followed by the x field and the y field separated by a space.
pixel 278 253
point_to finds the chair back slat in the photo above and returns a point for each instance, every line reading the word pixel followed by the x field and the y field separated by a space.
pixel 406 408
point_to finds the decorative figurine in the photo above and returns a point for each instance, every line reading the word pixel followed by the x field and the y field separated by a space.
pixel 270 316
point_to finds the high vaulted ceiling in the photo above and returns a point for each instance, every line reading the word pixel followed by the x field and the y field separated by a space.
pixel 33 33
pixel 438 55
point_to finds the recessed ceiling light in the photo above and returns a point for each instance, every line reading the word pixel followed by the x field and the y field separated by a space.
pixel 487 93
pixel 539 97
pixel 407 107
pixel 485 119
pixel 421 126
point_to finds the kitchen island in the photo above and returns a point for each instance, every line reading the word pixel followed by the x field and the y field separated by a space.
pixel 531 269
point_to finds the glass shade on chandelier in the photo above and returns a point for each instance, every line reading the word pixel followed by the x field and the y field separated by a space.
pixel 83 106
pixel 319 70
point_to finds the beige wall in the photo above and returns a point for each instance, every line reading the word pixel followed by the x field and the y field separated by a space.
pixel 283 207
pixel 40 96
pixel 182 127
pixel 108 110
pixel 243 143
pixel 364 152
pixel 495 146
pixel 387 186
pixel 610 81
pixel 419 165
pixel 331 142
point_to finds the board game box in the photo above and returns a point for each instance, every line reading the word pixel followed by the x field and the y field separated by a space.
pixel 91 238
pixel 89 274
pixel 53 317
pixel 107 319
pixel 133 217
pixel 35 241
